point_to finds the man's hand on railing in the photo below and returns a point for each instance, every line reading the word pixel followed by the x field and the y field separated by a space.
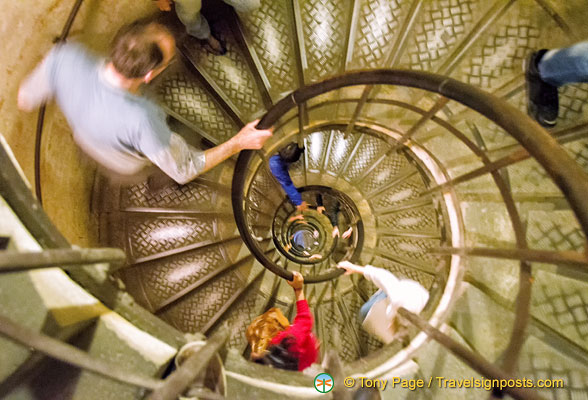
pixel 251 138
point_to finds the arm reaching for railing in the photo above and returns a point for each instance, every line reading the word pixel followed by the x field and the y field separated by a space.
pixel 401 293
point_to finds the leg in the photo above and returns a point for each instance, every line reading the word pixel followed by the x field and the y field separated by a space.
pixel 244 6
pixel 568 65
pixel 542 97
pixel 333 213
pixel 188 12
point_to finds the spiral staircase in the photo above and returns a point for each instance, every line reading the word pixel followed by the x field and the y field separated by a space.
pixel 436 189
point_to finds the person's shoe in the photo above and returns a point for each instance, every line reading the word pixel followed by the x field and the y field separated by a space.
pixel 542 97
pixel 215 45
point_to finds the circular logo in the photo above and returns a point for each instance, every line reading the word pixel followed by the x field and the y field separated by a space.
pixel 324 383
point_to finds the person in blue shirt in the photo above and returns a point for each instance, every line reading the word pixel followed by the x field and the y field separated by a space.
pixel 279 165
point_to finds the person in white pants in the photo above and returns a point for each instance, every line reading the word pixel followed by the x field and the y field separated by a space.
pixel 379 314
pixel 188 11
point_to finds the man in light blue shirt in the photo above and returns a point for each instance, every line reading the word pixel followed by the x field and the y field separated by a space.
pixel 111 122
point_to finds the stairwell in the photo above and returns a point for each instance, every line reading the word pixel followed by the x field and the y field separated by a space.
pixel 386 147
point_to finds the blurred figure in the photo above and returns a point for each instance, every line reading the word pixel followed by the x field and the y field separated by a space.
pixel 545 71
pixel 111 122
pixel 331 208
pixel 379 314
pixel 276 343
pixel 188 11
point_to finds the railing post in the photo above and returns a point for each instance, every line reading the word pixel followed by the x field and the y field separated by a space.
pixel 474 360
pixel 69 354
pixel 180 379
pixel 335 369
pixel 12 261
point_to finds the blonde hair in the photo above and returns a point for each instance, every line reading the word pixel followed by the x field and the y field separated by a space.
pixel 263 329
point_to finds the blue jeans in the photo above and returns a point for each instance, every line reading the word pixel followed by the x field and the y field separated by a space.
pixel 568 65
pixel 365 309
pixel 188 12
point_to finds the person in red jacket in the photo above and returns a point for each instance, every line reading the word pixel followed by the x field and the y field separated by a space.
pixel 293 348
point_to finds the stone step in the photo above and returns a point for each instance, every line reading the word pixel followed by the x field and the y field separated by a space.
pixel 249 380
pixel 113 339
pixel 155 284
pixel 48 301
pixel 561 304
pixel 554 230
pixel 541 361
pixel 201 309
pixel 229 76
pixel 435 362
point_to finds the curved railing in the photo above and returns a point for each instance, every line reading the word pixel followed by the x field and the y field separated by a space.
pixel 535 143
pixel 569 176
pixel 41 116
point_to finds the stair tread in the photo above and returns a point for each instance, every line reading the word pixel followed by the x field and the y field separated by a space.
pixel 435 361
pixel 230 72
pixel 186 99
pixel 561 303
pixel 155 282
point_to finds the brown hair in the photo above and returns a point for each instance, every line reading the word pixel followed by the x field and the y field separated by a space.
pixel 263 329
pixel 135 50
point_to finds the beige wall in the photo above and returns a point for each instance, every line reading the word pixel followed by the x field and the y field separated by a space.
pixel 27 30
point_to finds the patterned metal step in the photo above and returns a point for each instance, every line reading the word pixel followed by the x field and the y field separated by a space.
pixel 194 312
pixel 155 283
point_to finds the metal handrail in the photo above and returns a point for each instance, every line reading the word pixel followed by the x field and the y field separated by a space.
pixel 72 355
pixel 169 389
pixel 181 378
pixel 41 116
pixel 564 171
pixel 29 210
pixel 13 261
pixel 474 360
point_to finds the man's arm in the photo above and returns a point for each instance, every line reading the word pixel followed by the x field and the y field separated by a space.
pixel 401 293
pixel 183 163
pixel 35 89
pixel 248 138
